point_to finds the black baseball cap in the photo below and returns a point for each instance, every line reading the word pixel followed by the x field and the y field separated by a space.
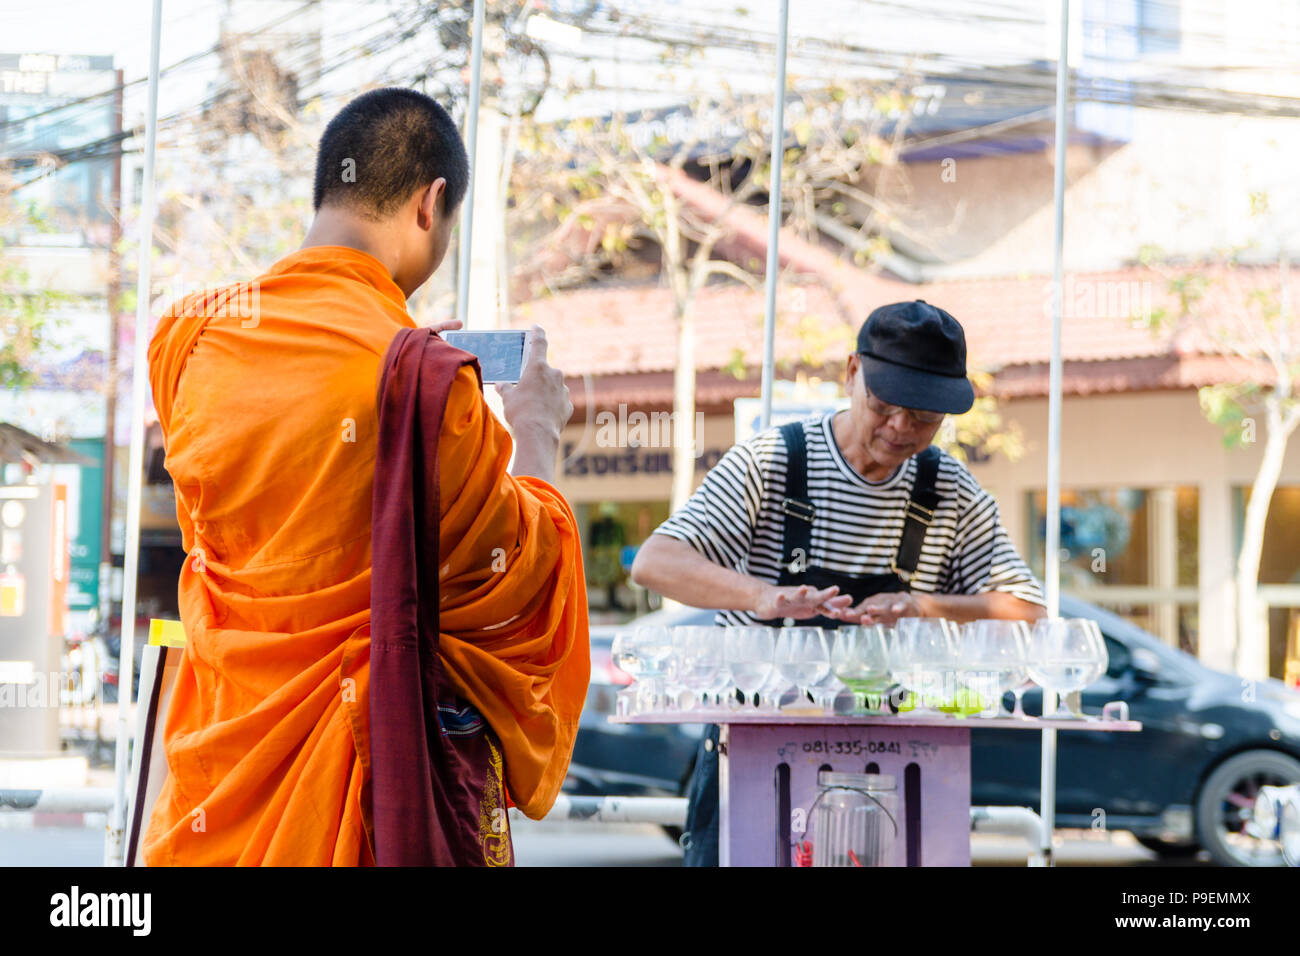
pixel 914 355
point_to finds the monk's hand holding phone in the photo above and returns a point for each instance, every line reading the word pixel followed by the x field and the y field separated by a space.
pixel 536 409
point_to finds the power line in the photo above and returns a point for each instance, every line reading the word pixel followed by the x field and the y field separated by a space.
pixel 117 88
pixel 111 146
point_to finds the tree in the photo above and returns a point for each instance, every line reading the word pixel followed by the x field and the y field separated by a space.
pixel 26 319
pixel 1254 324
pixel 624 183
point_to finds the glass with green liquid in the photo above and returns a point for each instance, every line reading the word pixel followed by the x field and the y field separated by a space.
pixel 957 697
pixel 860 658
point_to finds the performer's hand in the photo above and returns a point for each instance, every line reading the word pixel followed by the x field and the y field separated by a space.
pixel 446 325
pixel 884 608
pixel 800 602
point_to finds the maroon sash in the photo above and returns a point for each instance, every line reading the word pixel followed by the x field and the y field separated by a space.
pixel 436 773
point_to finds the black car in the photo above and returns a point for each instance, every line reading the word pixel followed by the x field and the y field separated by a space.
pixel 1188 781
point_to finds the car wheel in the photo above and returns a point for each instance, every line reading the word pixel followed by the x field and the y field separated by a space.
pixel 1171 850
pixel 1227 800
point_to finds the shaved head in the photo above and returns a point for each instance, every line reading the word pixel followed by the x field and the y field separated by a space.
pixel 383 147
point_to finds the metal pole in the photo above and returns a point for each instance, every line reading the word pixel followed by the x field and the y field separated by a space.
pixel 1052 581
pixel 113 847
pixel 471 145
pixel 107 459
pixel 774 219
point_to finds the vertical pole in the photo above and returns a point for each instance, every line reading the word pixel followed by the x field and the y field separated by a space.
pixel 113 847
pixel 774 218
pixel 105 568
pixel 471 145
pixel 1047 783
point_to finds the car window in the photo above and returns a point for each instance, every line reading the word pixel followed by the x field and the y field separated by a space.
pixel 1120 659
pixel 1176 665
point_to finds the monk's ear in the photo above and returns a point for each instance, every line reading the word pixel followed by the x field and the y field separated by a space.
pixel 432 204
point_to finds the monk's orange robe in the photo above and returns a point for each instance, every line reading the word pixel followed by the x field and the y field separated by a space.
pixel 266 395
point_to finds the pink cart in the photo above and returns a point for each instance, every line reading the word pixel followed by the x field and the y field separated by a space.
pixel 770 764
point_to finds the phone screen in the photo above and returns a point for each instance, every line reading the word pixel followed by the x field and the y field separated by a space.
pixel 500 353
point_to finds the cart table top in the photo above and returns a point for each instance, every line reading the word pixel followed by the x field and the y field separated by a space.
pixel 717 716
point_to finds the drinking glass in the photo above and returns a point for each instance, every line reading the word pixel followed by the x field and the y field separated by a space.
pixel 826 692
pixel 626 655
pixel 1065 655
pixel 722 690
pixel 623 652
pixel 1019 690
pixel 773 690
pixel 803 657
pixel 749 655
pixel 697 652
pixel 860 658
pixel 926 657
pixel 1099 656
pixel 992 654
pixel 655 647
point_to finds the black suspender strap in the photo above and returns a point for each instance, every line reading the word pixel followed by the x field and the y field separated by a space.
pixel 920 512
pixel 796 506
pixel 799 511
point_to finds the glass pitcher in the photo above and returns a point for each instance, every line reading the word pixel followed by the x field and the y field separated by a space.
pixel 855 819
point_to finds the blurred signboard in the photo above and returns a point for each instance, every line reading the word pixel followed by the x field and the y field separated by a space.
pixel 795 406
pixel 83 571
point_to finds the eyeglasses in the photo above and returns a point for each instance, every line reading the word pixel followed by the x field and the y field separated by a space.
pixel 889 411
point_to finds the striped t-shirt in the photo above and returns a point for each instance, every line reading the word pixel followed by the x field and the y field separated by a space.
pixel 735 519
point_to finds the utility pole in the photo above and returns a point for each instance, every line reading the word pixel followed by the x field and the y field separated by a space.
pixel 111 375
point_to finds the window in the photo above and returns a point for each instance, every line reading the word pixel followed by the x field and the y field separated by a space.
pixel 1279 575
pixel 1132 550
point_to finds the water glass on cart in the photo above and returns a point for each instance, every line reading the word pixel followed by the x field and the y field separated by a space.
pixel 623 652
pixel 860 658
pixel 826 692
pixel 1065 655
pixel 749 656
pixel 697 658
pixel 925 660
pixel 992 655
pixel 643 654
pixel 803 658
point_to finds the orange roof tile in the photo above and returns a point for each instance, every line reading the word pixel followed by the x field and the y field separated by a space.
pixel 628 329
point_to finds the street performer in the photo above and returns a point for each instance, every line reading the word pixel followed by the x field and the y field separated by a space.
pixel 853 517
pixel 273 422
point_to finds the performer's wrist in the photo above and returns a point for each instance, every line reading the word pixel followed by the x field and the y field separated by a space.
pixel 926 605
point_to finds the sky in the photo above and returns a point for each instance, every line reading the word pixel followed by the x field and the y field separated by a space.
pixel 120 28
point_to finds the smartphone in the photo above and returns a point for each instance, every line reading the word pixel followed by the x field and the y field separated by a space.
pixel 500 353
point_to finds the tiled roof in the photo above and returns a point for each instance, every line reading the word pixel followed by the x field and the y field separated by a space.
pixel 604 331
pixel 629 329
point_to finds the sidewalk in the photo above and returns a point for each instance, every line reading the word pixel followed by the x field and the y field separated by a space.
pixel 86 762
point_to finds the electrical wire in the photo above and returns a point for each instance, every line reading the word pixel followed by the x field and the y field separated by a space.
pixel 1007 86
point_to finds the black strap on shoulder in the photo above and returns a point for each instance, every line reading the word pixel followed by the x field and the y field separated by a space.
pixel 796 506
pixel 920 512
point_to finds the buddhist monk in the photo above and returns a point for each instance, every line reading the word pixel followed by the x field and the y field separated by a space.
pixel 267 393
